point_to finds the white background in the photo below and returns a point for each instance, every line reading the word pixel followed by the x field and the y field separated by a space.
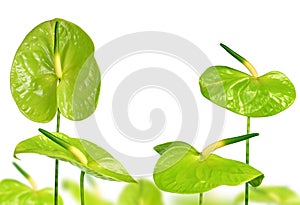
pixel 265 32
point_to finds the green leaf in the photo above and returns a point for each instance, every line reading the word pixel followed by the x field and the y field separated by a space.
pixel 142 193
pixel 160 149
pixel 293 201
pixel 279 195
pixel 247 95
pixel 182 169
pixel 54 67
pixel 13 192
pixel 99 163
pixel 208 149
pixel 91 195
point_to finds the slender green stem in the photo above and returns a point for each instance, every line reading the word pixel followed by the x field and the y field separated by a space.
pixel 82 187
pixel 56 162
pixel 56 182
pixel 247 161
pixel 58 71
pixel 26 175
pixel 58 120
pixel 200 198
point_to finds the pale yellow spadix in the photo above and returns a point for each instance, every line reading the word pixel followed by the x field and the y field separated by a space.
pixel 240 58
pixel 57 61
pixel 216 145
pixel 26 175
pixel 78 154
pixel 57 65
pixel 74 150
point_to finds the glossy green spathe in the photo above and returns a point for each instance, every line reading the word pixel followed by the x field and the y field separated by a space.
pixel 252 96
pixel 245 95
pixel 16 193
pixel 181 169
pixel 99 162
pixel 53 68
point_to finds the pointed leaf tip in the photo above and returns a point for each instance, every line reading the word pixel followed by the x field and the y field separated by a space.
pixel 161 148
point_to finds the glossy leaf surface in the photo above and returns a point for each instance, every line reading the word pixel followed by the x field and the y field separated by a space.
pixel 13 192
pixel 142 193
pixel 243 94
pixel 252 96
pixel 54 68
pixel 99 163
pixel 181 169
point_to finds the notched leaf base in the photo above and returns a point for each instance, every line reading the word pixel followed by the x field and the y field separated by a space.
pixel 54 67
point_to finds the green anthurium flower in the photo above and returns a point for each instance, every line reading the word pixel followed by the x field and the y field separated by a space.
pixel 87 156
pixel 13 192
pixel 248 95
pixel 54 68
pixel 182 169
